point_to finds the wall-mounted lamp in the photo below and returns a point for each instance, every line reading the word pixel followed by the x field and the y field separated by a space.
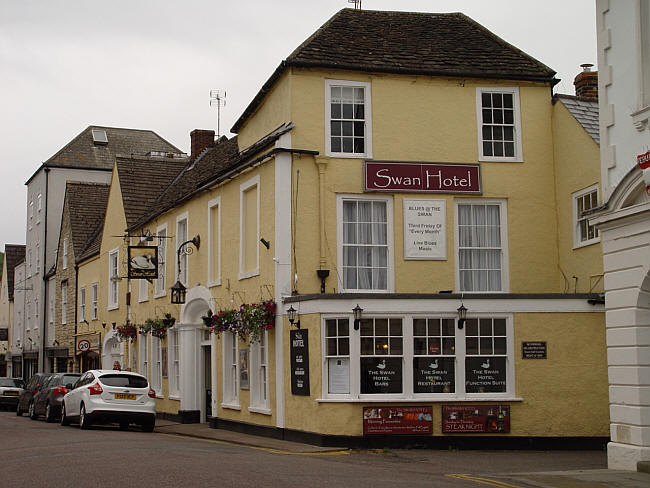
pixel 266 243
pixel 292 313
pixel 462 315
pixel 103 325
pixel 55 343
pixel 84 321
pixel 178 291
pixel 30 340
pixel 357 316
pixel 114 324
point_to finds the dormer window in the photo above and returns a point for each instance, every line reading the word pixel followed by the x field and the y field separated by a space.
pixel 99 137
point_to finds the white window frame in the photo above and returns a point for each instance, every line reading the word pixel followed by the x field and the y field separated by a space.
pixel 113 279
pixel 184 261
pixel 64 302
pixel 259 375
pixel 143 360
pixel 577 242
pixel 173 346
pixel 243 188
pixel 94 301
pixel 161 282
pixel 65 253
pixel 408 394
pixel 503 218
pixel 230 345
pixel 82 304
pixel 367 117
pixel 518 157
pixel 214 243
pixel 390 273
pixel 156 366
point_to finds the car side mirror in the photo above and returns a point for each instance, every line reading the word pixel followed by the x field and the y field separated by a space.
pixel 69 386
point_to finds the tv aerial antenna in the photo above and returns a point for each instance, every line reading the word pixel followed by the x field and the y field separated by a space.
pixel 219 100
pixel 357 3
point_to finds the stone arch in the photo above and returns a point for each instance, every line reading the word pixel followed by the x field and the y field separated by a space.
pixel 112 351
pixel 197 302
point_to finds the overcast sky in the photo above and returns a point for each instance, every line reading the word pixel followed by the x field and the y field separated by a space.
pixel 150 64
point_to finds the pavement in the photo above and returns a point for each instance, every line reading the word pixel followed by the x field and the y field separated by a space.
pixel 579 478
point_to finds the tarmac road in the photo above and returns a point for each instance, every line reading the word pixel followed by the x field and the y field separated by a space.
pixel 35 453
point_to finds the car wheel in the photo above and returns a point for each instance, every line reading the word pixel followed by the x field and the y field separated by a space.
pixel 32 412
pixel 49 413
pixel 64 420
pixel 148 426
pixel 19 412
pixel 84 421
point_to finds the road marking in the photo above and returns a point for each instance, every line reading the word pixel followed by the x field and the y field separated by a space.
pixel 482 481
pixel 345 452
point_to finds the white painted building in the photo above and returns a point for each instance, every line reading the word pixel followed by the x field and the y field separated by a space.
pixel 623 29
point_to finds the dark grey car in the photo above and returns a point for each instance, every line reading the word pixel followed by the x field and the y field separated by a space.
pixel 48 400
pixel 33 386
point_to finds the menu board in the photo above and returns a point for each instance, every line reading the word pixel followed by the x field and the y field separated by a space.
pixel 485 374
pixel 381 375
pixel 425 229
pixel 299 350
pixel 477 419
pixel 397 420
pixel 433 374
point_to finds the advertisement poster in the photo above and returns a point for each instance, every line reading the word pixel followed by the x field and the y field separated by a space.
pixel 425 229
pixel 299 350
pixel 434 375
pixel 381 375
pixel 485 374
pixel 243 369
pixel 397 420
pixel 478 419
pixel 143 262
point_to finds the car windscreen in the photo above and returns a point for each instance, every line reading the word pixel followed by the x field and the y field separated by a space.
pixel 69 379
pixel 126 380
pixel 12 382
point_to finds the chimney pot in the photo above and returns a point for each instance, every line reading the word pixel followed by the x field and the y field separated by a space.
pixel 200 140
pixel 586 83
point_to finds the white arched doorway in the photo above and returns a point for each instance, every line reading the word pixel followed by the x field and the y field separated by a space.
pixel 112 351
pixel 197 358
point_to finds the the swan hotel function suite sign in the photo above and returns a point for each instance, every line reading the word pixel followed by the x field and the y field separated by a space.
pixel 425 230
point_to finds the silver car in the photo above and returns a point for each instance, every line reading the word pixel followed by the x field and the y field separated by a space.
pixel 10 390
pixel 110 396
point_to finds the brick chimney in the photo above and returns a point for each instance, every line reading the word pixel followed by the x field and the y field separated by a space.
pixel 200 139
pixel 586 83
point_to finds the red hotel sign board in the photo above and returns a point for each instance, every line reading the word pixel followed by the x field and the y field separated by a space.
pixel 397 420
pixel 422 177
pixel 477 419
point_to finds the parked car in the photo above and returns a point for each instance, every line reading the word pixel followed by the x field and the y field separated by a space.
pixel 48 401
pixel 33 386
pixel 10 390
pixel 110 396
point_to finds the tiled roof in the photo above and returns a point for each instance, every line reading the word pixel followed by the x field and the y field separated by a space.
pixel 82 152
pixel 14 254
pixel 585 110
pixel 142 180
pixel 86 210
pixel 447 44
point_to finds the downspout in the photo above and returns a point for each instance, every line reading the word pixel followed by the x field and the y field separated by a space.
pixel 322 271
pixel 76 308
pixel 45 297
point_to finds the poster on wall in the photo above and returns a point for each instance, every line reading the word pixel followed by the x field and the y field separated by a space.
pixel 338 375
pixel 165 362
pixel 478 419
pixel 243 369
pixel 433 374
pixel 425 229
pixel 299 350
pixel 381 375
pixel 485 374
pixel 397 420
pixel 143 262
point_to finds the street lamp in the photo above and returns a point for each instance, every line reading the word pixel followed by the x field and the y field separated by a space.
pixel 178 290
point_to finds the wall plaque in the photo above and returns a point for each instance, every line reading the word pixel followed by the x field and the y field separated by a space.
pixel 299 350
pixel 425 229
pixel 397 420
pixel 533 350
pixel 477 419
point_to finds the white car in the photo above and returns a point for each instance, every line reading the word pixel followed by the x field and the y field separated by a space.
pixel 110 396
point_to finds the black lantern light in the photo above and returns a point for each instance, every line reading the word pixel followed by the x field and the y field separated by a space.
pixel 293 315
pixel 462 315
pixel 357 316
pixel 178 290
pixel 178 293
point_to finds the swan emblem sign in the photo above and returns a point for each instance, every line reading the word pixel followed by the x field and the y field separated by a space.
pixel 143 262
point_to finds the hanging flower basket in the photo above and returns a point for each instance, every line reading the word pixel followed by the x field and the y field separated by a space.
pixel 224 321
pixel 126 331
pixel 168 321
pixel 250 321
pixel 207 319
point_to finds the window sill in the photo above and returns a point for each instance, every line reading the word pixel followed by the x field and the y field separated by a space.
pixel 231 406
pixel 489 159
pixel 483 398
pixel 174 397
pixel 214 283
pixel 160 397
pixel 142 300
pixel 586 243
pixel 112 307
pixel 160 295
pixel 248 274
pixel 348 155
pixel 263 411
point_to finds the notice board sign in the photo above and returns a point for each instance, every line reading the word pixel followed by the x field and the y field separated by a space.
pixel 299 350
pixel 425 229
pixel 143 262
pixel 397 420
pixel 533 350
pixel 481 419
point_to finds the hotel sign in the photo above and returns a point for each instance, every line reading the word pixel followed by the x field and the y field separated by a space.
pixel 644 163
pixel 422 177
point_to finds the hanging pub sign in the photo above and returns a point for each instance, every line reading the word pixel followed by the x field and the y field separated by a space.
pixel 644 163
pixel 434 375
pixel 485 374
pixel 422 177
pixel 143 262
pixel 397 420
pixel 478 419
pixel 299 350
pixel 425 229
pixel 381 375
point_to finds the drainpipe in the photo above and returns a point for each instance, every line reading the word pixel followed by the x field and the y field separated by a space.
pixel 41 360
pixel 322 270
pixel 76 307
